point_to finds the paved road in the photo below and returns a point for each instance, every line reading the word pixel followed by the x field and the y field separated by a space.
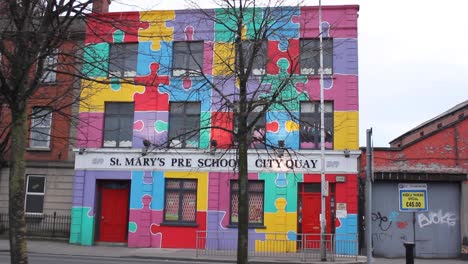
pixel 70 259
pixel 419 261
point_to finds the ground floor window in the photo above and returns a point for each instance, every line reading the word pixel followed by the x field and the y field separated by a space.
pixel 35 191
pixel 256 201
pixel 180 204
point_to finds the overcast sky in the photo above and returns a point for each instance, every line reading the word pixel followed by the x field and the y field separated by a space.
pixel 413 59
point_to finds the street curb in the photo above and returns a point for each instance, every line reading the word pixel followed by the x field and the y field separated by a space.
pixel 205 260
pixel 183 259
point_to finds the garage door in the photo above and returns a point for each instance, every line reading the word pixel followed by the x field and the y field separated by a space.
pixel 436 231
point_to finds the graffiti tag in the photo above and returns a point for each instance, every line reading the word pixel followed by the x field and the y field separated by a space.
pixel 381 237
pixel 384 223
pixel 436 218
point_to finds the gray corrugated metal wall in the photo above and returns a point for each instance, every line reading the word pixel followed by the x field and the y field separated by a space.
pixel 435 232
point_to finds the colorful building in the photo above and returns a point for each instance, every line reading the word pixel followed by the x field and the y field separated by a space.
pixel 140 180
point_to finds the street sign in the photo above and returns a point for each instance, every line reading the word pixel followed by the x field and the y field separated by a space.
pixel 325 187
pixel 412 197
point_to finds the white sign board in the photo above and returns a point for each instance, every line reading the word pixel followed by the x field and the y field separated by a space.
pixel 99 159
pixel 341 210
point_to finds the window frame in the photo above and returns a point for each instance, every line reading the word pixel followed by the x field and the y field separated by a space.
pixel 181 192
pixel 189 55
pixel 233 192
pixel 327 56
pixel 119 59
pixel 256 128
pixel 186 116
pixel 49 74
pixel 35 126
pixel 261 54
pixel 316 120
pixel 27 193
pixel 119 115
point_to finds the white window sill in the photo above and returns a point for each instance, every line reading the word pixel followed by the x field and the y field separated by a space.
pixel 38 149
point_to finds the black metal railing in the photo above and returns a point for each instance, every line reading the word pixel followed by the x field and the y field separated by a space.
pixel 44 225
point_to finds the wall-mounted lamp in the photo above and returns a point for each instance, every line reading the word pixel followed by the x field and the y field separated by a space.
pixel 146 145
pixel 347 153
pixel 213 146
pixel 81 151
pixel 144 151
pixel 280 150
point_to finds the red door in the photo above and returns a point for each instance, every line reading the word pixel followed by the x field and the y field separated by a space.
pixel 113 222
pixel 310 210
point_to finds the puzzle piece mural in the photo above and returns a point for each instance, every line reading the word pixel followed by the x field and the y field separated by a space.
pixel 153 87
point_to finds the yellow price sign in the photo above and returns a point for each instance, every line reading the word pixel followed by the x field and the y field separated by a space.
pixel 413 197
pixel 413 200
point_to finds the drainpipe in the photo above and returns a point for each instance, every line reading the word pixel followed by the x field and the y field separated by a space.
pixel 369 196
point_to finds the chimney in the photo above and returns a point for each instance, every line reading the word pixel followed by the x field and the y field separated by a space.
pixel 101 6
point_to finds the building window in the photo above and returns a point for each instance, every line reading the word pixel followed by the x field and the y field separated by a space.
pixel 310 56
pixel 184 124
pixel 260 59
pixel 118 125
pixel 255 195
pixel 310 125
pixel 35 191
pixel 50 69
pixel 123 60
pixel 41 123
pixel 257 135
pixel 188 58
pixel 180 205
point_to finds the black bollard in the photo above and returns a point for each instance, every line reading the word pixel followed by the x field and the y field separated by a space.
pixel 409 252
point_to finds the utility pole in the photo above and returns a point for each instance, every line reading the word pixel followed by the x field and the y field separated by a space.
pixel 369 178
pixel 323 219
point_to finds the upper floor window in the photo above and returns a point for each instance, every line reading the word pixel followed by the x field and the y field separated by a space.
pixel 310 125
pixel 259 57
pixel 123 60
pixel 188 58
pixel 255 195
pixel 41 124
pixel 118 125
pixel 257 134
pixel 184 124
pixel 180 205
pixel 50 69
pixel 309 59
pixel 35 191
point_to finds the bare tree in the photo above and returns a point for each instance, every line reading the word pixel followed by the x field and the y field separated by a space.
pixel 32 33
pixel 241 90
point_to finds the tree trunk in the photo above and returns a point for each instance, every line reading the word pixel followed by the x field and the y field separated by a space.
pixel 243 206
pixel 17 232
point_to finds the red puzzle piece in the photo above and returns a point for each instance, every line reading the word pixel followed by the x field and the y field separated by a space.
pixel 152 99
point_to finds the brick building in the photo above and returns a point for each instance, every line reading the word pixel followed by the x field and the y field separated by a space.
pixel 420 189
pixel 49 157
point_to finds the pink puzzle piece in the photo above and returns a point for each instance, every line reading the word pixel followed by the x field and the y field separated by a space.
pixel 142 218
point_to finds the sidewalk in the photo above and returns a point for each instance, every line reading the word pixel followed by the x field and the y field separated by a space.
pixel 64 248
pixel 188 255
